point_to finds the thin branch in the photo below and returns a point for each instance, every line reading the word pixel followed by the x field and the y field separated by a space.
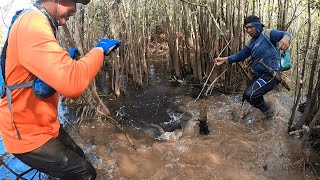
pixel 207 7
pixel 294 16
pixel 114 122
pixel 204 85
pixel 213 82
pixel 194 4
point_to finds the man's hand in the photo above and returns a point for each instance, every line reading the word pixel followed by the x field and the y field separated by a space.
pixel 284 43
pixel 220 60
pixel 108 45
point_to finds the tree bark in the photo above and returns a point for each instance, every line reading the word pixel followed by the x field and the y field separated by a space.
pixel 294 109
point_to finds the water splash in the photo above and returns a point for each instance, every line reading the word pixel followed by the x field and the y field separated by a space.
pixel 170 136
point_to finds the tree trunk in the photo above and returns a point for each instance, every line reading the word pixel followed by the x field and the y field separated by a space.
pixel 294 109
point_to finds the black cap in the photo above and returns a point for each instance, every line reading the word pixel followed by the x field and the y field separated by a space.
pixel 85 2
pixel 251 19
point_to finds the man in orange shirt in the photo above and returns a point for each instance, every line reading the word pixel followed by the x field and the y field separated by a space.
pixel 31 130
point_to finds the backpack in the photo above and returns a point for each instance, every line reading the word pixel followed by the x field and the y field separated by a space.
pixel 40 88
pixel 284 55
pixel 4 89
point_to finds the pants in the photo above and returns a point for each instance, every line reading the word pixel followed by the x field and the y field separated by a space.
pixel 60 157
pixel 259 87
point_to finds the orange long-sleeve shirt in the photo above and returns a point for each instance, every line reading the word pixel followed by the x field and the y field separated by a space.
pixel 34 52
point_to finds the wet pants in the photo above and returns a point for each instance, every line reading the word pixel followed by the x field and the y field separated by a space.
pixel 60 157
pixel 259 87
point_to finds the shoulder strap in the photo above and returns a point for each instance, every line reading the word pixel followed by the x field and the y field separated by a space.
pixel 266 34
pixel 4 49
pixel 9 99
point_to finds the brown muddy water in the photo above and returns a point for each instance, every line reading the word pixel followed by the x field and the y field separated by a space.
pixel 234 149
pixel 162 122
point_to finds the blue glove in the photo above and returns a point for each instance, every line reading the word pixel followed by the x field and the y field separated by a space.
pixel 108 45
pixel 72 52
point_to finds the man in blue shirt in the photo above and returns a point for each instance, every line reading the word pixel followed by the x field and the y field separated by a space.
pixel 261 46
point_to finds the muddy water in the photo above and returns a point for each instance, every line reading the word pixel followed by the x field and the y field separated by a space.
pixel 152 105
pixel 233 150
pixel 239 146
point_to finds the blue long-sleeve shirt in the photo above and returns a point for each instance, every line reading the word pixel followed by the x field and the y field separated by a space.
pixel 259 48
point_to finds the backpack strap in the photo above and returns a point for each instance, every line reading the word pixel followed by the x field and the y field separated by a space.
pixel 9 99
pixel 266 33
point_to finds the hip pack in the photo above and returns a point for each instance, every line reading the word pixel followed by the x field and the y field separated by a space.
pixel 285 59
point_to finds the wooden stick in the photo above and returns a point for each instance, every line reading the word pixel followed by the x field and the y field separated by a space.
pixel 304 129
pixel 204 85
pixel 114 122
pixel 214 81
pixel 98 100
pixel 299 131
